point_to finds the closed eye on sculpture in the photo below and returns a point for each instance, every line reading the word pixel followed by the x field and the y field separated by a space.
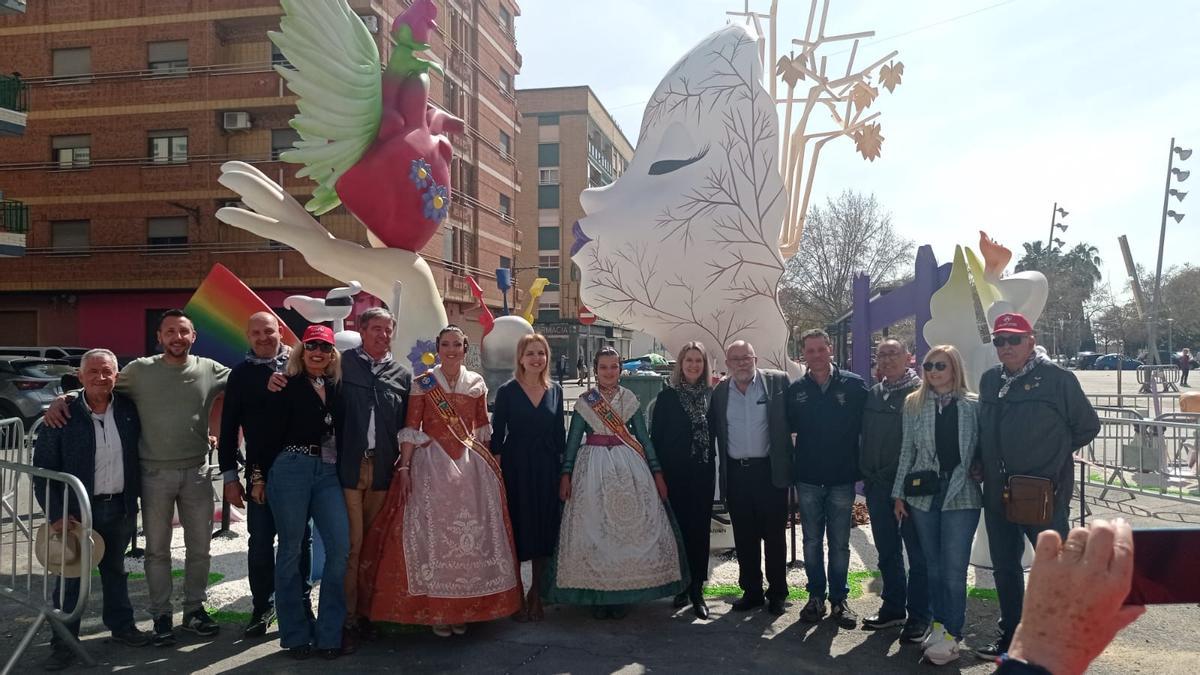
pixel 663 166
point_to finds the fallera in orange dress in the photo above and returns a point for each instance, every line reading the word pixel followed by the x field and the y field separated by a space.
pixel 446 556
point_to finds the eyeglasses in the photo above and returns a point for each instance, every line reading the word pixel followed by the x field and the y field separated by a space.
pixel 1014 340
pixel 741 359
pixel 932 365
pixel 315 346
pixel 890 355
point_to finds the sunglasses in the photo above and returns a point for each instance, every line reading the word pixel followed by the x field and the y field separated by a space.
pixel 314 346
pixel 1014 340
pixel 938 366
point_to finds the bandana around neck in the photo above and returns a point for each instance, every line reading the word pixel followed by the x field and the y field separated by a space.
pixel 277 362
pixel 908 379
pixel 1032 362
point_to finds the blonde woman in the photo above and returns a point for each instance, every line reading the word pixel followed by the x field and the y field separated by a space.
pixel 934 488
pixel 684 441
pixel 529 435
pixel 296 472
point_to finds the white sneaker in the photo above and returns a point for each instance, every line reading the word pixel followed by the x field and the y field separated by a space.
pixel 442 630
pixel 943 651
pixel 936 632
pixel 458 628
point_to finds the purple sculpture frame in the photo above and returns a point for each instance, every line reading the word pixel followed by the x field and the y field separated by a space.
pixel 911 299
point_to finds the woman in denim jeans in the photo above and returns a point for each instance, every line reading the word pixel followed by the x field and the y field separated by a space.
pixel 297 472
pixel 941 438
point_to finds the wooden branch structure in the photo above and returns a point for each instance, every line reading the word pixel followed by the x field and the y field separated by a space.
pixel 844 97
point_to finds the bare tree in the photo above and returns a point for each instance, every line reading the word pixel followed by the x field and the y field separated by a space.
pixel 851 234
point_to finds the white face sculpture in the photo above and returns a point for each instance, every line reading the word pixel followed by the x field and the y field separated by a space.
pixel 684 246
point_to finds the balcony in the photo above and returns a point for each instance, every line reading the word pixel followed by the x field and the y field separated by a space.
pixel 12 7
pixel 14 225
pixel 14 102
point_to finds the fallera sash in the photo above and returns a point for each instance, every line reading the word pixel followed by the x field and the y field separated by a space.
pixel 612 420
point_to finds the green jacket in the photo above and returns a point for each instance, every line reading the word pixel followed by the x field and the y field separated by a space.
pixel 882 432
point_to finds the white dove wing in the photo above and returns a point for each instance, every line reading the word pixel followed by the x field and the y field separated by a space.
pixel 337 75
pixel 952 321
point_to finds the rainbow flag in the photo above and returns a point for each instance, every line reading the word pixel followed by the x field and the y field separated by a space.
pixel 219 309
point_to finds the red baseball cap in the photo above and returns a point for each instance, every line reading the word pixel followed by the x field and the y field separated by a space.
pixel 1012 323
pixel 318 333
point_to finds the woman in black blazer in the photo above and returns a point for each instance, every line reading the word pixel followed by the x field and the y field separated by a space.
pixel 683 437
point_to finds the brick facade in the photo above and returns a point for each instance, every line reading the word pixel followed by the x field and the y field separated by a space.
pixel 120 105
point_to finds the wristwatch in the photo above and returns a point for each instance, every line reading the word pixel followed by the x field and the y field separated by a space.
pixel 1010 665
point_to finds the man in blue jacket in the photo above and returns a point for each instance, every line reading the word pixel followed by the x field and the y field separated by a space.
pixel 824 410
pixel 99 446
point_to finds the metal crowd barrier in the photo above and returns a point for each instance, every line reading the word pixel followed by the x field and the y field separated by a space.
pixel 15 449
pixel 23 580
pixel 1145 404
pixel 1154 457
pixel 1162 379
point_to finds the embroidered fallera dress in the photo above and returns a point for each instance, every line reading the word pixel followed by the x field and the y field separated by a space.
pixel 446 556
pixel 618 543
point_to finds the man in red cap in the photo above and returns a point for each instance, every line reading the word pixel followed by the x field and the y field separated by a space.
pixel 1033 416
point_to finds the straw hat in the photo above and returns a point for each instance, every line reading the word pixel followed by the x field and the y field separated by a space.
pixel 61 552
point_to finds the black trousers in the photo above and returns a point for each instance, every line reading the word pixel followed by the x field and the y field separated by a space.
pixel 758 511
pixel 690 491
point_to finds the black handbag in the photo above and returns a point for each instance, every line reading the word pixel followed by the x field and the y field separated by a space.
pixel 922 483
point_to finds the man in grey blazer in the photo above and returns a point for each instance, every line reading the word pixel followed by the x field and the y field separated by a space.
pixel 749 415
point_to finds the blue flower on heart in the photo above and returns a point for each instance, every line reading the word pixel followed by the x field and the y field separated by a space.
pixel 437 202
pixel 420 356
pixel 420 174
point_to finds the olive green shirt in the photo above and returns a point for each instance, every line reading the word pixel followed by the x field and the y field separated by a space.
pixel 173 403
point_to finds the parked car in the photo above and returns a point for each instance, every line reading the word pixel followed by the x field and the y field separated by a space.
pixel 71 355
pixel 1084 360
pixel 29 384
pixel 1115 362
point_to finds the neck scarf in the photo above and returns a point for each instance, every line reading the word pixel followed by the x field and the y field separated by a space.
pixel 377 367
pixel 695 399
pixel 1034 360
pixel 944 400
pixel 277 362
pixel 908 379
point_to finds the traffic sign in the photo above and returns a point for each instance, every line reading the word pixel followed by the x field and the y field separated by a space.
pixel 585 316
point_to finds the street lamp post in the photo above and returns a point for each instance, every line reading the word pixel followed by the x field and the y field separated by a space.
pixel 1170 338
pixel 1054 214
pixel 1180 176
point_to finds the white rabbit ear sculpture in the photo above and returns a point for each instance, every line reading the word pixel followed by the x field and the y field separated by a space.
pixel 690 242
pixel 684 245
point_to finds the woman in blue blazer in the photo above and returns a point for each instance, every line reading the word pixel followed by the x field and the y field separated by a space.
pixel 933 486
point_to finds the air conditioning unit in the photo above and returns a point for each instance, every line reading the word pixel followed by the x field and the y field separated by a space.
pixel 371 21
pixel 236 121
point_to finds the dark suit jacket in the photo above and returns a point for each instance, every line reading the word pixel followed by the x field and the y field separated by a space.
pixel 360 391
pixel 775 382
pixel 72 449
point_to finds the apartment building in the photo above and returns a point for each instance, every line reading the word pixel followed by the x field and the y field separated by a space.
pixel 569 142
pixel 132 108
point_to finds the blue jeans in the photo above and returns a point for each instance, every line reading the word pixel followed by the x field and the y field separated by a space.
pixel 891 540
pixel 260 555
pixel 116 527
pixel 300 487
pixel 1006 543
pixel 825 512
pixel 947 537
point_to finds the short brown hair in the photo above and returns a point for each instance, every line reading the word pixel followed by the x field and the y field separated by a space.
pixel 815 332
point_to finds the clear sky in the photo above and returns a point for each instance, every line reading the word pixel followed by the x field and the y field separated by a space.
pixel 1007 106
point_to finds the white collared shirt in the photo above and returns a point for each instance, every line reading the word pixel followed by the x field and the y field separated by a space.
pixel 746 420
pixel 110 461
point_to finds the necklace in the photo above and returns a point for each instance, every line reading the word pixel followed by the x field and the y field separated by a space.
pixel 452 384
pixel 610 394
pixel 317 382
